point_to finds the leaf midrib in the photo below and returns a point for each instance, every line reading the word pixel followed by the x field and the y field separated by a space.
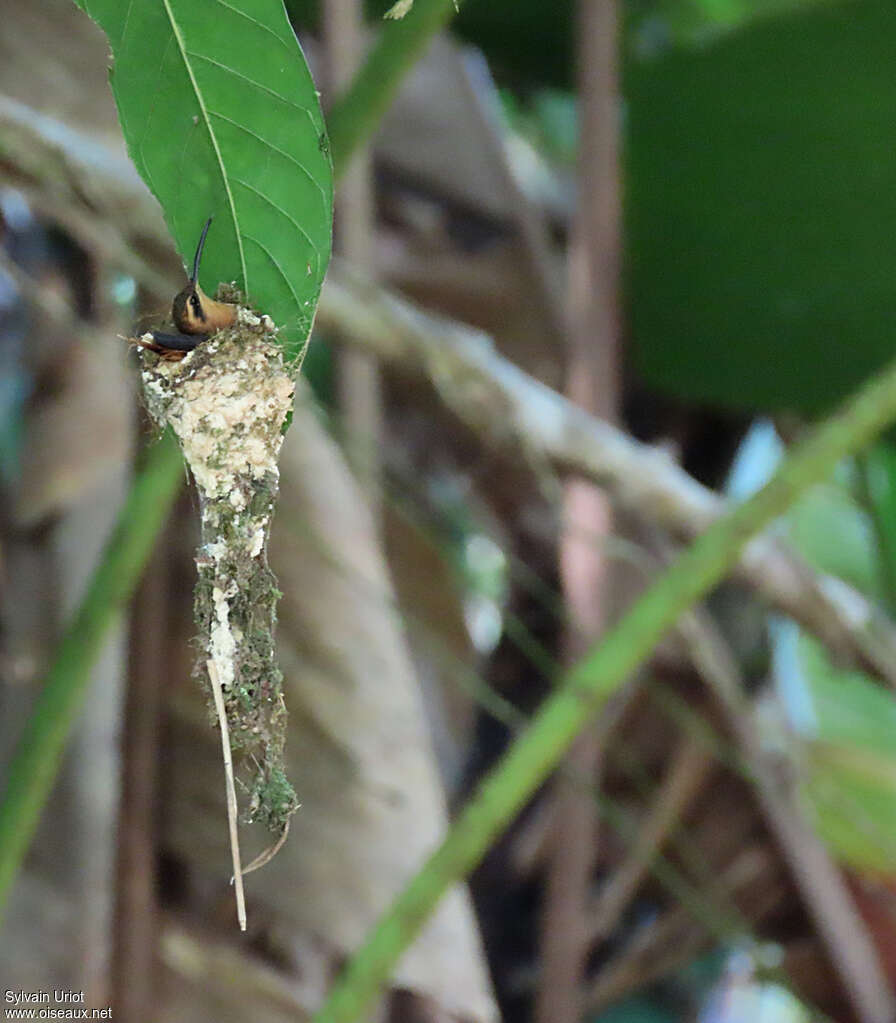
pixel 175 29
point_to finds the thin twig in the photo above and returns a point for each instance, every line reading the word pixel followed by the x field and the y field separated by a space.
pixel 232 821
pixel 673 939
pixel 54 306
pixel 684 777
pixel 265 857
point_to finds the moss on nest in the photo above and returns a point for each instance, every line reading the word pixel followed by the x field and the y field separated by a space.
pixel 227 402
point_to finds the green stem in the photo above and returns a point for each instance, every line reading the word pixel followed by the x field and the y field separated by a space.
pixel 34 766
pixel 355 115
pixel 587 686
pixel 36 760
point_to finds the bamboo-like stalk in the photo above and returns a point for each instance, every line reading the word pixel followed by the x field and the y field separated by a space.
pixel 35 764
pixel 589 683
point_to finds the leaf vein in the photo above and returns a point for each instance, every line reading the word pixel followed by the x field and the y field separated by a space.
pixel 200 99
pixel 273 148
pixel 249 81
pixel 150 180
pixel 279 269
pixel 127 19
pixel 281 211
pixel 255 21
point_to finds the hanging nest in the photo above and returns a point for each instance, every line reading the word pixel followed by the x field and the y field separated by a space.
pixel 228 402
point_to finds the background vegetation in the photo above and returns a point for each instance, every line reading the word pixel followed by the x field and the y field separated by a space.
pixel 453 537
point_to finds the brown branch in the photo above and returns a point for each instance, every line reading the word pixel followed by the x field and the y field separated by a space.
pixel 495 396
pixel 593 383
pixel 91 190
pixel 510 409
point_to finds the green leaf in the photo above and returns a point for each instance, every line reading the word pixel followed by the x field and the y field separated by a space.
pixel 849 763
pixel 692 22
pixel 848 708
pixel 835 535
pixel 853 796
pixel 761 194
pixel 222 119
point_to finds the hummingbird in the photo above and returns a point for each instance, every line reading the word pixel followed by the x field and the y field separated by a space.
pixel 195 315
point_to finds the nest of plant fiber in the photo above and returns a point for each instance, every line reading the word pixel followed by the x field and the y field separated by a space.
pixel 228 401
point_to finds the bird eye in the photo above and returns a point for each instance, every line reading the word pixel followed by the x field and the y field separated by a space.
pixel 194 302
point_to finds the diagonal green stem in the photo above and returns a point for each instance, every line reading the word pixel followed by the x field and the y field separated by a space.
pixel 587 686
pixel 36 761
pixel 34 766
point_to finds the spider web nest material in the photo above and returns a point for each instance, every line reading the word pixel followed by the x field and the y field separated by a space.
pixel 227 402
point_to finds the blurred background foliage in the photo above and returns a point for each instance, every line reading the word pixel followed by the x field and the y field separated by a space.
pixel 759 187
